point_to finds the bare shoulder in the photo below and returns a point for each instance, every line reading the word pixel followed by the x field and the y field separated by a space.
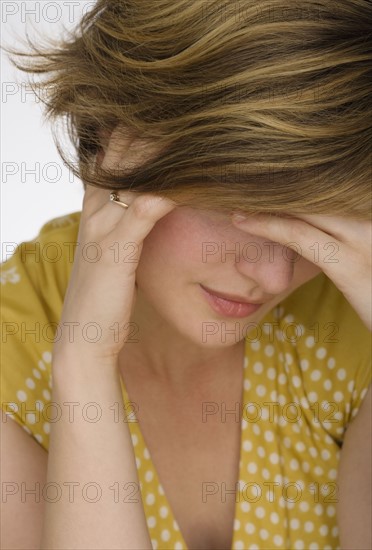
pixel 23 467
pixel 354 507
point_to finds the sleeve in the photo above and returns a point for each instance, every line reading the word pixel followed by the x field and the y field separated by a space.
pixel 32 289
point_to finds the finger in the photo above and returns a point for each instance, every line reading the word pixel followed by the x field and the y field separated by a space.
pixel 338 227
pixel 307 240
pixel 131 224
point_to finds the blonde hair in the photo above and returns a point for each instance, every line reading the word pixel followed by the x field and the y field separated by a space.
pixel 261 105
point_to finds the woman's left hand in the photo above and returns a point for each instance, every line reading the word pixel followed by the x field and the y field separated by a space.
pixel 340 246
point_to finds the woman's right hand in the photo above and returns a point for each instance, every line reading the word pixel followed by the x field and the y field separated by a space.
pixel 102 288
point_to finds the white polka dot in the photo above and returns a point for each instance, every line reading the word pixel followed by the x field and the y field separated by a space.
pixel 149 475
pixel 310 341
pixel 245 506
pixel 47 356
pixel 315 375
pixel 178 545
pixel 309 526
pixel 31 418
pixel 46 427
pixel 260 390
pixel 274 517
pixel 151 521
pixel 261 452
pixel 41 365
pixel 154 544
pixel 313 396
pixel 252 467
pixel 278 540
pixel 134 438
pixel 327 385
pixel 299 545
pixel 271 373
pixel 13 407
pixel 269 350
pixel 249 528
pixel 30 383
pixel 260 512
pixel 282 378
pixel 247 384
pixel 239 545
pixel 296 381
pixel 138 462
pixel 264 534
pixel 304 506
pixel 160 490
pixel 46 394
pixel 274 458
pixel 321 353
pixel 323 530
pixel 163 511
pixel 294 465
pixel 165 535
pixel 256 429
pixel 21 395
pixel 294 523
pixel 150 499
pixel 331 362
pixel 268 435
pixel 304 364
pixel 331 511
pixel 146 453
pixel 256 345
pixel 39 438
pixel 258 367
pixel 338 396
pixel 341 374
pixel 236 524
pixel 247 445
pixel 36 373
pixel 300 446
pixel 289 358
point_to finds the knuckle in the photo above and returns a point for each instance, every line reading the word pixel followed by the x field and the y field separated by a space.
pixel 142 206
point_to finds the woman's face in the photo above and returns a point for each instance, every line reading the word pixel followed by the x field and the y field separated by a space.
pixel 188 248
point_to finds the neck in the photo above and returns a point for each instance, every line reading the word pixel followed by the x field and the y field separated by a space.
pixel 162 353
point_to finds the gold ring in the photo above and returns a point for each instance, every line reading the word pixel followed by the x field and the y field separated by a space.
pixel 115 198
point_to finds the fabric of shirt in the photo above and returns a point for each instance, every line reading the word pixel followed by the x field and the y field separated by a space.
pixel 307 369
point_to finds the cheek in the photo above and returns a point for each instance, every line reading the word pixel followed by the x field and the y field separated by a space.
pixel 175 244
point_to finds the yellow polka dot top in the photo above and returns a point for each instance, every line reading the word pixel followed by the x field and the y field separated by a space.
pixel 306 373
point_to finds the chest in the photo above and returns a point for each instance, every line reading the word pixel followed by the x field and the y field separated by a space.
pixel 196 457
pixel 197 468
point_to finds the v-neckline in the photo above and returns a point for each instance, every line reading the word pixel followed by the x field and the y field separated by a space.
pixel 136 428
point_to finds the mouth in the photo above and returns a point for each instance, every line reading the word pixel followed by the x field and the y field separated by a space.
pixel 228 305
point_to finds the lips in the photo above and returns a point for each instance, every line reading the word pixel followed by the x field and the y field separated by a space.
pixel 226 306
pixel 230 297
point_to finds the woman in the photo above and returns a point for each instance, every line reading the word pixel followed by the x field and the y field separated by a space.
pixel 210 368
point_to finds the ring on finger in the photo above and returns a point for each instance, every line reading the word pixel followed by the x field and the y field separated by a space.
pixel 114 197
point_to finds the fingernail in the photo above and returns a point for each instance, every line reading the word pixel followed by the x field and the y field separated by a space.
pixel 238 217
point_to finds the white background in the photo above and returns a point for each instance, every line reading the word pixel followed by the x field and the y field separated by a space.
pixel 35 184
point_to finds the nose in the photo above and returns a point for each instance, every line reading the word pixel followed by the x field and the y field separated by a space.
pixel 268 264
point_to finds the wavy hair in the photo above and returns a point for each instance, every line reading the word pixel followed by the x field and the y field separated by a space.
pixel 261 105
